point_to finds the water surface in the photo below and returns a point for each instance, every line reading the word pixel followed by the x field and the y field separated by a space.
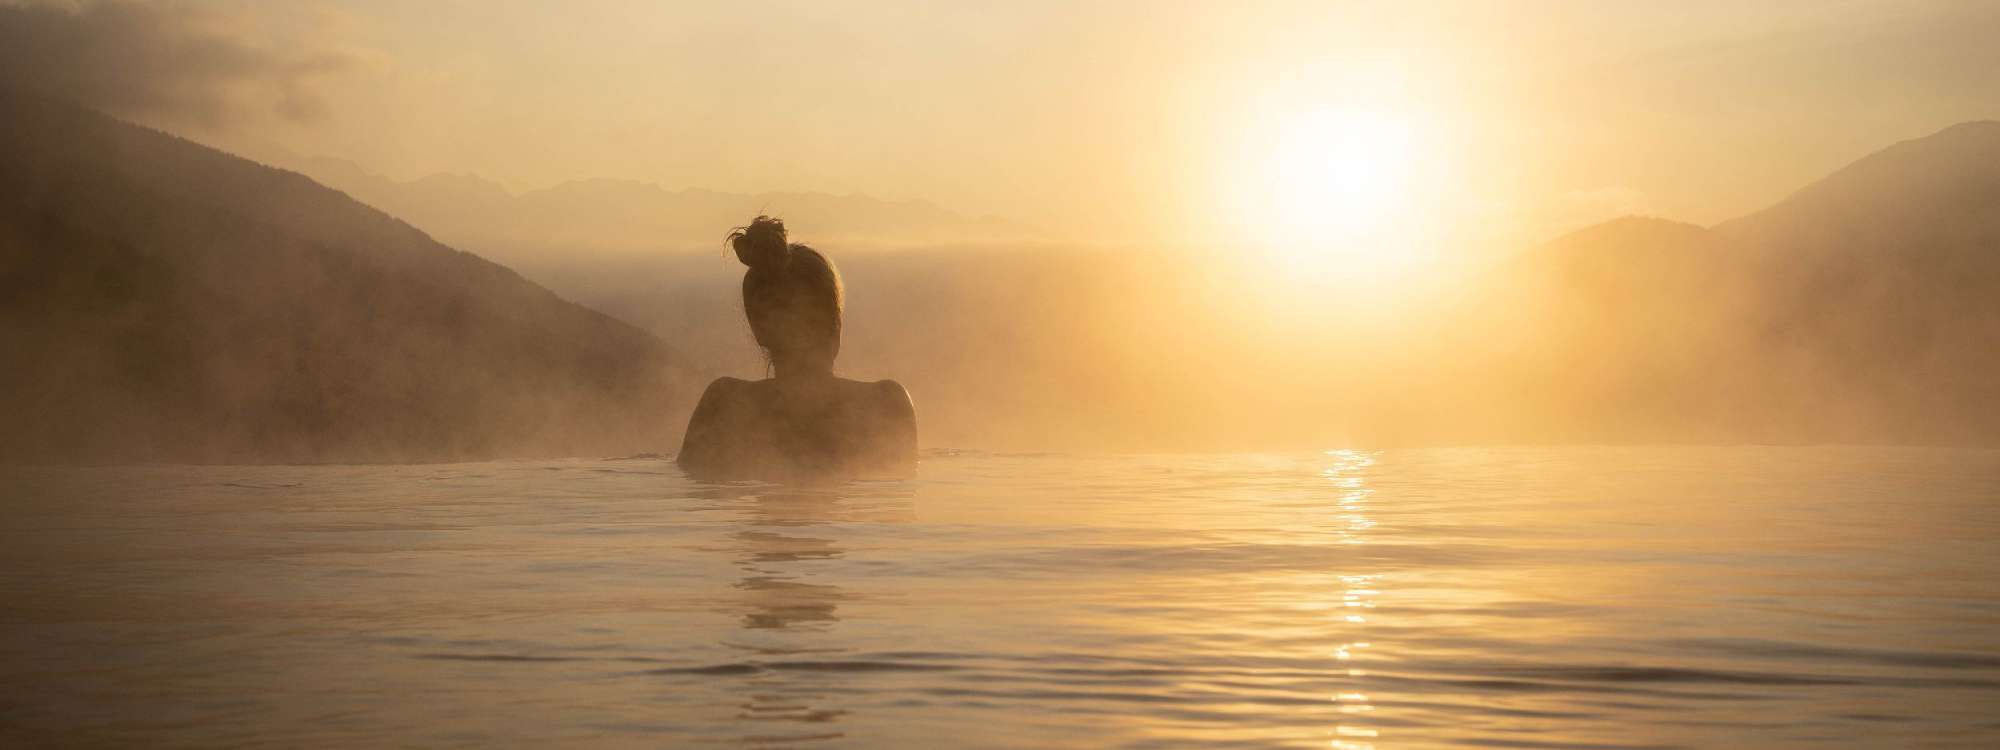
pixel 1530 598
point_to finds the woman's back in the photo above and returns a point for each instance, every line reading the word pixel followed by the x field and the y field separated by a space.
pixel 796 427
pixel 804 421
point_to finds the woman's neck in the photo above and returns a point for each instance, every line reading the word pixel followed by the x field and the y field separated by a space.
pixel 801 373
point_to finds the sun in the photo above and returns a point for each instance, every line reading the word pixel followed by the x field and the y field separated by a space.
pixel 1339 175
pixel 1332 191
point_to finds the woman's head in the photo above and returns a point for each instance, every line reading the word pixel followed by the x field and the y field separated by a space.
pixel 792 296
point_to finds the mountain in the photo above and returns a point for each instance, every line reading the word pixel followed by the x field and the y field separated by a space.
pixel 163 301
pixel 160 300
pixel 1934 192
pixel 1863 308
pixel 602 217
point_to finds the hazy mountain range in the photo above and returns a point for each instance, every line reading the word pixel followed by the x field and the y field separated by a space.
pixel 1863 308
pixel 160 300
pixel 586 218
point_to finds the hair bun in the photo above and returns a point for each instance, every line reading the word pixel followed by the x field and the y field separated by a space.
pixel 762 244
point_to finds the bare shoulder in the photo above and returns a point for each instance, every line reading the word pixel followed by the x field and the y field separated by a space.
pixel 889 397
pixel 726 385
pixel 892 420
pixel 724 396
pixel 713 436
pixel 724 392
pixel 890 390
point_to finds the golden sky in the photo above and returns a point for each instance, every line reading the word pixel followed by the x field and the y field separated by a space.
pixel 1141 121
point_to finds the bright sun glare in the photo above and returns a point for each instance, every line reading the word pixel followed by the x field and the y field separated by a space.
pixel 1332 192
pixel 1339 175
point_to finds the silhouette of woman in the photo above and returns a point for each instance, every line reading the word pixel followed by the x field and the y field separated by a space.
pixel 803 421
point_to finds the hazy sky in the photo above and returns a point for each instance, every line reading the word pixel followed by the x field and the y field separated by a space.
pixel 1097 120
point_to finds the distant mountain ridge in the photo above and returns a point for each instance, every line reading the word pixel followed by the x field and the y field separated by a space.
pixel 627 217
pixel 161 300
pixel 1865 307
pixel 1947 180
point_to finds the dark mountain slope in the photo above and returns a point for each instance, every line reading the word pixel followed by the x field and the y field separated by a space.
pixel 1937 191
pixel 1864 308
pixel 160 300
pixel 1884 279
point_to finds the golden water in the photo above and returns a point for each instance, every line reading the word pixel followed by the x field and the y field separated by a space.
pixel 1546 597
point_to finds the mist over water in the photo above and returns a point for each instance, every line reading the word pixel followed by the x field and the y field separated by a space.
pixel 173 302
pixel 1536 598
pixel 1642 331
pixel 346 348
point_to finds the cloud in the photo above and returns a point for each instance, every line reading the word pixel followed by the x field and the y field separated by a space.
pixel 170 61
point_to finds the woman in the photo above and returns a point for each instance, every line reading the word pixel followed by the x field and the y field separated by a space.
pixel 803 421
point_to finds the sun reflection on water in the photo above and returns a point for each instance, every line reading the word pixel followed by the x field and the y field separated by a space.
pixel 1351 526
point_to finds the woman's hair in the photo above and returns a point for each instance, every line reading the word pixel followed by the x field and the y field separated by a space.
pixel 791 294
